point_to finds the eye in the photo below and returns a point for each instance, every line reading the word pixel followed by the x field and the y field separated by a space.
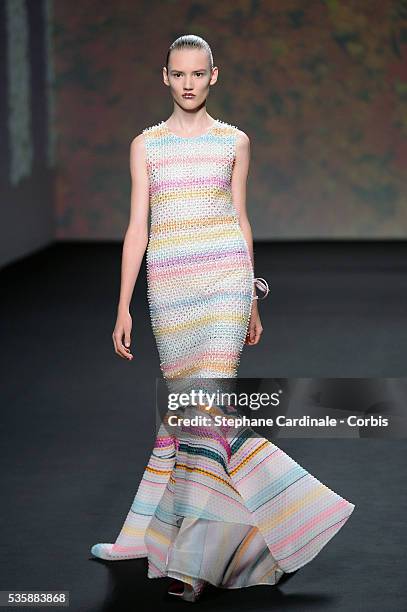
pixel 198 73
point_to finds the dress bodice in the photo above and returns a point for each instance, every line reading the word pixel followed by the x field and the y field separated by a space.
pixel 190 177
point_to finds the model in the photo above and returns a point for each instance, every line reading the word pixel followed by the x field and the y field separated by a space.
pixel 230 509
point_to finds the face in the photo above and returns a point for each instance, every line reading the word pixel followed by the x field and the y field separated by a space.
pixel 189 73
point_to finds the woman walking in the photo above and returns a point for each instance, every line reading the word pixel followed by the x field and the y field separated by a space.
pixel 213 506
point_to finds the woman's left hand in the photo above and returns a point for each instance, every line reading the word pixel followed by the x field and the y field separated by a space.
pixel 255 327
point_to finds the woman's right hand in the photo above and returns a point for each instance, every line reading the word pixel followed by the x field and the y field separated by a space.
pixel 122 331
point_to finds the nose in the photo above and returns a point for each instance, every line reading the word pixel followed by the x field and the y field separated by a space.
pixel 188 85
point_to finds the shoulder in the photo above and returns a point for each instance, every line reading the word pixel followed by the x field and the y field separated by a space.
pixel 148 133
pixel 242 139
pixel 137 148
pixel 141 140
pixel 138 141
pixel 153 131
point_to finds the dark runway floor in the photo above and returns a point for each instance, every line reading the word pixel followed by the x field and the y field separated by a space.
pixel 77 422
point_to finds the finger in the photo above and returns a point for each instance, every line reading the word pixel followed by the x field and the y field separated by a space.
pixel 119 348
pixel 124 351
pixel 258 335
pixel 117 341
pixel 249 336
pixel 114 341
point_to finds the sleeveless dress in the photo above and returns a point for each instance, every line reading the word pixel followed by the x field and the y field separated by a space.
pixel 225 507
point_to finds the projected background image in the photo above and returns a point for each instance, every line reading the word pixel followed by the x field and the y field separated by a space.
pixel 320 88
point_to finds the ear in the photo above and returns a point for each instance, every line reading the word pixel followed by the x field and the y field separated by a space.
pixel 214 75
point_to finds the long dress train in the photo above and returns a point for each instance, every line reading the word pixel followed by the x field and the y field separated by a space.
pixel 228 508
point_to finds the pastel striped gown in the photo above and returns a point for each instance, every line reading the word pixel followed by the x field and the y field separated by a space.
pixel 228 508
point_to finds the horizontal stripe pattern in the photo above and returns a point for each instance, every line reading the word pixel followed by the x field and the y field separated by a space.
pixel 230 509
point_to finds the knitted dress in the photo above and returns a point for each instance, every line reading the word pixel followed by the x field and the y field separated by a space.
pixel 225 507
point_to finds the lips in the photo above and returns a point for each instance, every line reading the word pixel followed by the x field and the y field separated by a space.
pixel 188 96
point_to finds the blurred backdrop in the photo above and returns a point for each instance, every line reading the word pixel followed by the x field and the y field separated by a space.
pixel 320 87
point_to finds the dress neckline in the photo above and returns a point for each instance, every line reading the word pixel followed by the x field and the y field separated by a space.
pixel 190 137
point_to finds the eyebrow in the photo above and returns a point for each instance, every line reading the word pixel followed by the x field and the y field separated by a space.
pixel 200 70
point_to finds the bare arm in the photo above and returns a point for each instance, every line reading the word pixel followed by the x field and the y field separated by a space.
pixel 134 245
pixel 239 181
pixel 239 185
